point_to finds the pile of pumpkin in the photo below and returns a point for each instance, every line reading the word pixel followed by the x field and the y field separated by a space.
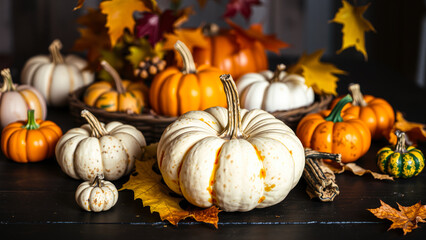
pixel 237 159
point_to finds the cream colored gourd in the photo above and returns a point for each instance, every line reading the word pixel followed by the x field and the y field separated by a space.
pixel 55 76
pixel 235 159
pixel 274 91
pixel 96 196
pixel 15 101
pixel 110 149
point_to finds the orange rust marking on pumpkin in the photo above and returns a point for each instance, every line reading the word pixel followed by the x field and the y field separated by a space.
pixel 261 199
pixel 259 155
pixel 161 159
pixel 202 119
pixel 268 188
pixel 262 173
pixel 212 177
pixel 291 152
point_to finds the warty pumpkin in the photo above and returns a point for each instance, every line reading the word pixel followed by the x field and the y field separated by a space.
pixel 15 101
pixel 376 113
pixel 274 91
pixel 329 131
pixel 174 92
pixel 125 96
pixel 30 141
pixel 400 161
pixel 235 159
pixel 55 76
pixel 97 195
pixel 93 148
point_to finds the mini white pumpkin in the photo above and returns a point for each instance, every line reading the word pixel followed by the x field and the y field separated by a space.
pixel 274 91
pixel 55 76
pixel 237 160
pixel 94 148
pixel 96 196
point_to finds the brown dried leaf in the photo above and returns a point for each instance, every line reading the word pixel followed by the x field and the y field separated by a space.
pixel 414 132
pixel 406 219
pixel 355 169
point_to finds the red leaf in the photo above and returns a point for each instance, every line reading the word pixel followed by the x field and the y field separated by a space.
pixel 242 6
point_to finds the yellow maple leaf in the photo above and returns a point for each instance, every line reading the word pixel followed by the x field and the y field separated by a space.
pixel 191 37
pixel 140 52
pixel 318 75
pixel 354 26
pixel 147 185
pixel 120 16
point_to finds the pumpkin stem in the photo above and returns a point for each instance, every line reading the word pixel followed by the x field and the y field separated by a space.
pixel 358 98
pixel 400 144
pixel 7 81
pixel 114 74
pixel 188 60
pixel 276 78
pixel 335 114
pixel 233 129
pixel 31 122
pixel 210 29
pixel 55 52
pixel 97 181
pixel 97 129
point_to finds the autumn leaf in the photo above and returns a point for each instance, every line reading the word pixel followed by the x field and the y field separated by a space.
pixel 406 219
pixel 147 185
pixel 120 16
pixel 242 6
pixel 318 75
pixel 414 132
pixel 354 26
pixel 143 50
pixel 79 5
pixel 245 38
pixel 354 168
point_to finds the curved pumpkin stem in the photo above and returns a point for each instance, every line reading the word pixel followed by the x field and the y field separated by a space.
pixel 335 114
pixel 276 78
pixel 210 29
pixel 114 74
pixel 97 129
pixel 358 98
pixel 55 52
pixel 400 144
pixel 7 81
pixel 31 122
pixel 97 182
pixel 188 60
pixel 233 129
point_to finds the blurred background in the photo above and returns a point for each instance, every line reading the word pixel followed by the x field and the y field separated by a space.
pixel 28 27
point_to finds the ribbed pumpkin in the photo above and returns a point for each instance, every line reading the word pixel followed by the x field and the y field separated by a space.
pixel 400 161
pixel 55 76
pixel 329 131
pixel 376 113
pixel 174 92
pixel 125 96
pixel 235 159
pixel 15 101
pixel 224 52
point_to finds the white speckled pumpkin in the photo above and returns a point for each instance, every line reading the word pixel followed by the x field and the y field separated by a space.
pixel 274 91
pixel 235 159
pixel 94 148
pixel 55 76
pixel 96 196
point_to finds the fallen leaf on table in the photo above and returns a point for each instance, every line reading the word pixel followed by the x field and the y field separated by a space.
pixel 354 168
pixel 406 219
pixel 354 26
pixel 414 132
pixel 120 16
pixel 318 75
pixel 242 6
pixel 147 185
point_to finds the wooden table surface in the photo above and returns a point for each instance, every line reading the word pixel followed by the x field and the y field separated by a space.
pixel 37 200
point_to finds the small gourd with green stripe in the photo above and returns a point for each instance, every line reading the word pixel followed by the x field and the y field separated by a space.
pixel 399 161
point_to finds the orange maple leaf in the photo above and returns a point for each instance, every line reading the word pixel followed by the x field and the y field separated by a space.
pixel 120 16
pixel 354 26
pixel 413 131
pixel 406 219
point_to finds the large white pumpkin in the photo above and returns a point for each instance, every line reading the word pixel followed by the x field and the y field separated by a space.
pixel 274 91
pixel 95 148
pixel 55 76
pixel 237 160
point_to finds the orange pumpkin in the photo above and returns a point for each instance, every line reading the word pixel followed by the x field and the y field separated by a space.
pixel 125 96
pixel 328 131
pixel 224 52
pixel 31 140
pixel 376 113
pixel 174 92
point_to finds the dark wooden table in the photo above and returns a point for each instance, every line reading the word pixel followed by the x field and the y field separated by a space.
pixel 37 200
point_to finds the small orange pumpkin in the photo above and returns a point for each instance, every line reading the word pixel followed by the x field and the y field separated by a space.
pixel 174 92
pixel 328 131
pixel 31 140
pixel 376 113
pixel 124 97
